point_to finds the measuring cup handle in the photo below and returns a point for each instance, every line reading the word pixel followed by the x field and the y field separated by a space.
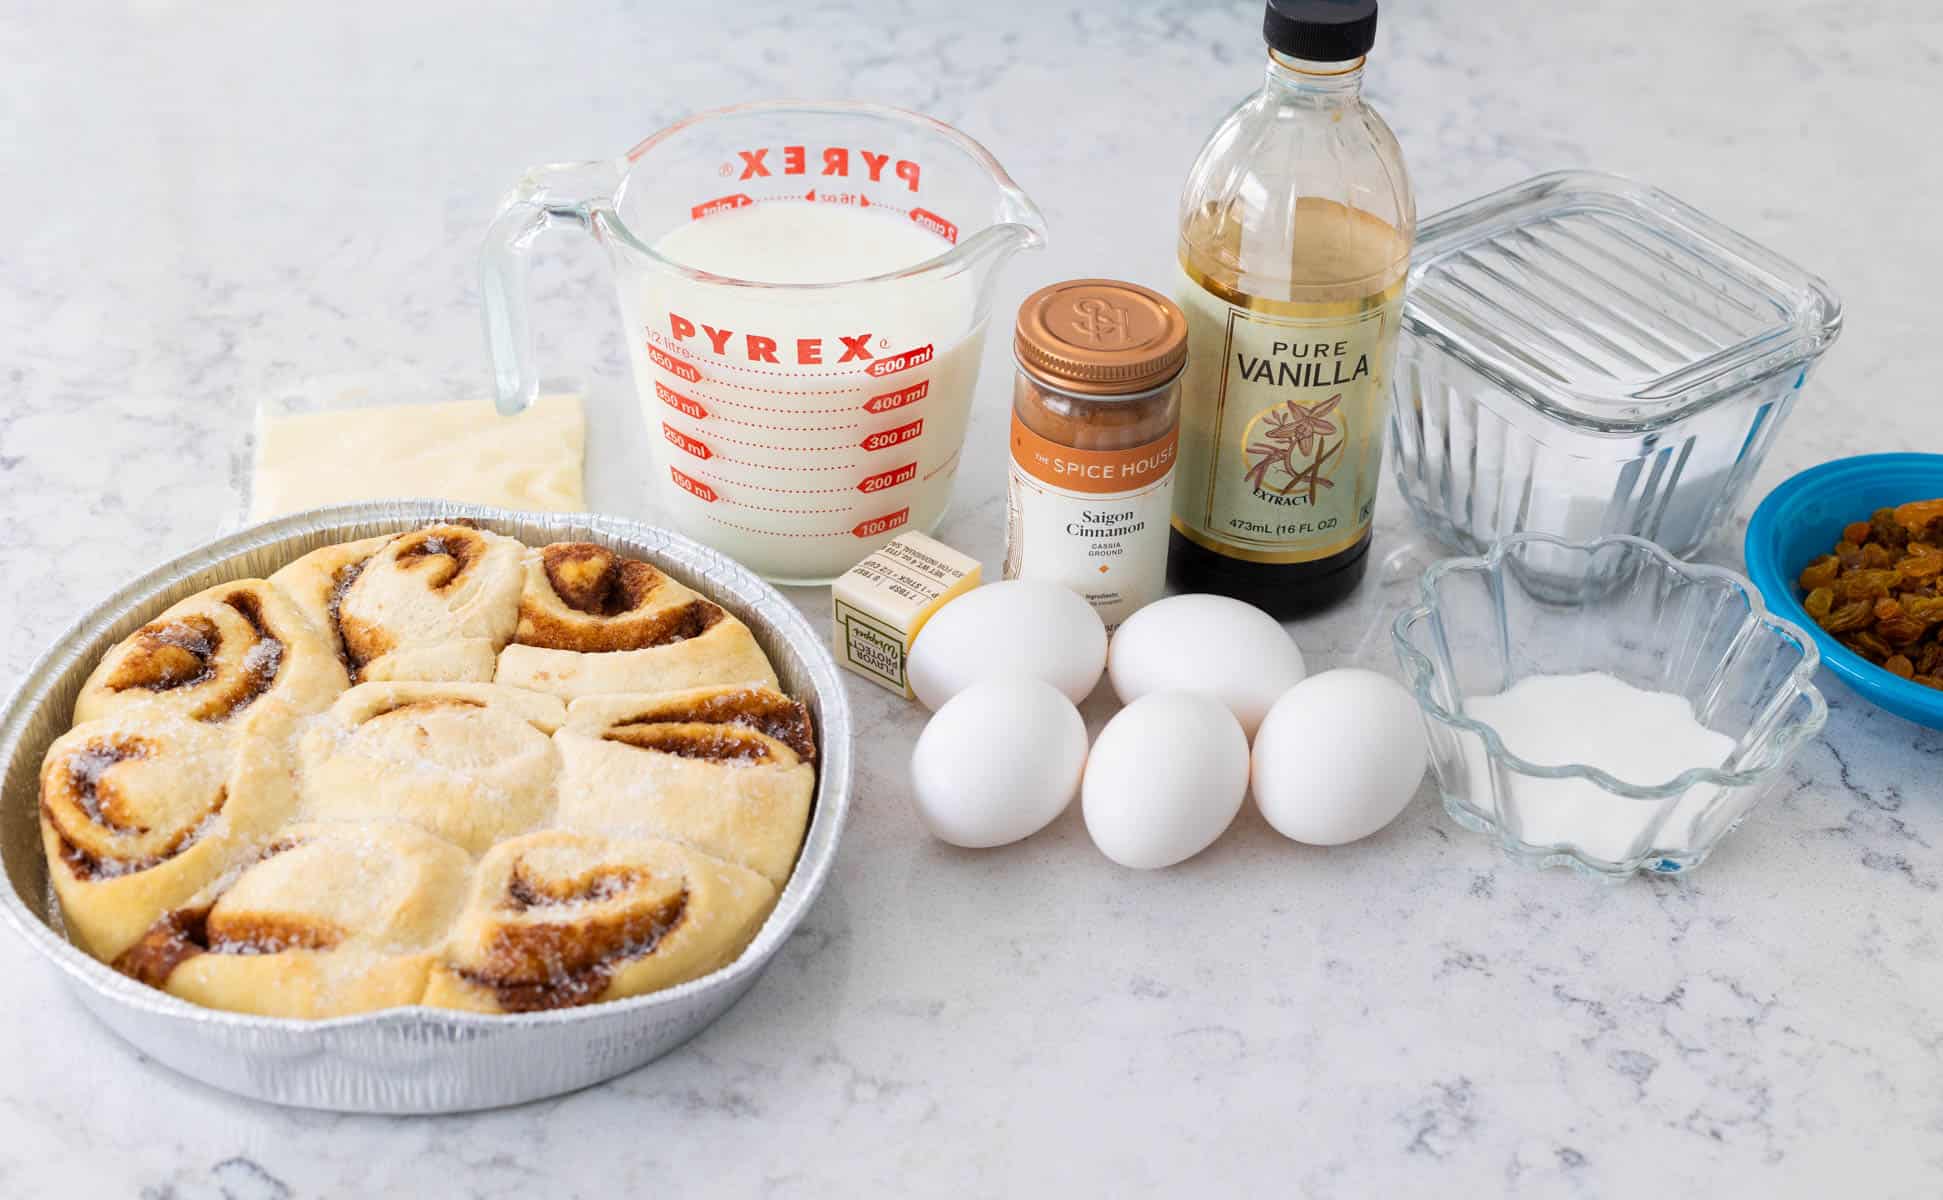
pixel 548 196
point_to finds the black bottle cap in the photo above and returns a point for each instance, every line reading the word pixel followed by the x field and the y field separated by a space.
pixel 1320 30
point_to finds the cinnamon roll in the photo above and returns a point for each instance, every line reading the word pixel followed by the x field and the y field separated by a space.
pixel 559 919
pixel 139 810
pixel 433 604
pixel 471 762
pixel 308 796
pixel 316 583
pixel 331 919
pixel 724 769
pixel 592 622
pixel 215 656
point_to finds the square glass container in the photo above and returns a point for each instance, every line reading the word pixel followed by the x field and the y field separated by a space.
pixel 1633 611
pixel 1583 355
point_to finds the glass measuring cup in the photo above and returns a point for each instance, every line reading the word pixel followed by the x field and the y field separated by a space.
pixel 797 426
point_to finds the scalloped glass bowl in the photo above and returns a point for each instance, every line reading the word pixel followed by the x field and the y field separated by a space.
pixel 1539 605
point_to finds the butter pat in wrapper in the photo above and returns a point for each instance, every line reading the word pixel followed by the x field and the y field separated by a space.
pixel 878 606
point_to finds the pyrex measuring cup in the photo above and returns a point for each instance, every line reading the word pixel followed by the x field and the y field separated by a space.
pixel 798 426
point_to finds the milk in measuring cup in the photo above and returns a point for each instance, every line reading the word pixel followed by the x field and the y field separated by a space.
pixel 802 430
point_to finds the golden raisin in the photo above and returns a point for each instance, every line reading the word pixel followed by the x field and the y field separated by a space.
pixel 1867 584
pixel 1917 514
pixel 1853 615
pixel 1880 590
pixel 1869 645
pixel 1821 573
pixel 1922 566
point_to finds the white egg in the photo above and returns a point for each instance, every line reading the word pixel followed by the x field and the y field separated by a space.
pixel 1339 757
pixel 1165 778
pixel 1018 627
pixel 998 762
pixel 1213 644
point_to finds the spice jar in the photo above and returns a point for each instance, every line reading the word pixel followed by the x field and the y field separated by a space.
pixel 1095 420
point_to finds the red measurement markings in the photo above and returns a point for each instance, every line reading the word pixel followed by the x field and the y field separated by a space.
pixel 889 479
pixel 681 440
pixel 723 202
pixel 886 438
pixel 899 362
pixel 935 223
pixel 883 524
pixel 898 398
pixel 680 403
pixel 694 487
pixel 674 366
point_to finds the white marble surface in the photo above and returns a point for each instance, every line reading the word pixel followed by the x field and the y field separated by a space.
pixel 207 205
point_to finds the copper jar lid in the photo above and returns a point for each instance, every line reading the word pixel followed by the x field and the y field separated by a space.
pixel 1100 337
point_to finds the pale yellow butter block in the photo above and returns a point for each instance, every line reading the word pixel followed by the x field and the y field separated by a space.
pixel 879 605
pixel 453 451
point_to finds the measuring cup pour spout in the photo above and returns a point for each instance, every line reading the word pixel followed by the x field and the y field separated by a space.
pixel 807 393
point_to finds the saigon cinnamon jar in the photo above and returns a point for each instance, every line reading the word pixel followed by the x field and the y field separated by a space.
pixel 1095 419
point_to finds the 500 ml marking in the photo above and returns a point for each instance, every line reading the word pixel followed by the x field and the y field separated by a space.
pixel 900 362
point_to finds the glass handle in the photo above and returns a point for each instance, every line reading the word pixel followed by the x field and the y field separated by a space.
pixel 503 270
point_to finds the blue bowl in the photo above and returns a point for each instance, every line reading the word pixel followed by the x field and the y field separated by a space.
pixel 1802 520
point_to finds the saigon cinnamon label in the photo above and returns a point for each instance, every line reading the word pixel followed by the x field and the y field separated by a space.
pixel 1094 520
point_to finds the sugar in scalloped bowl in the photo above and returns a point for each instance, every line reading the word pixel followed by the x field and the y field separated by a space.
pixel 1801 519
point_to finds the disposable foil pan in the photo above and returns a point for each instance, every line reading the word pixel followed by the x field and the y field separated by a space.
pixel 407 1060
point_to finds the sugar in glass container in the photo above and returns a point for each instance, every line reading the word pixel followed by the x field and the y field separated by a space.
pixel 1583 355
pixel 1537 605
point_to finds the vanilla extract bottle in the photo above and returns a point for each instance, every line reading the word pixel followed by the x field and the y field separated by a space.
pixel 1295 232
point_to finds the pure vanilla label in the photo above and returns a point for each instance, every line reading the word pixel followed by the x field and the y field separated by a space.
pixel 1282 428
pixel 1093 520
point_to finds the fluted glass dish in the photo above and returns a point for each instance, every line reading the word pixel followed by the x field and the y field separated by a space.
pixel 1539 605
pixel 1583 355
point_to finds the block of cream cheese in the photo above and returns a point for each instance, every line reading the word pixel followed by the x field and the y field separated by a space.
pixel 878 606
pixel 452 451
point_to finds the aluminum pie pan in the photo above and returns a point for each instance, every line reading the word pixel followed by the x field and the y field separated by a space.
pixel 408 1060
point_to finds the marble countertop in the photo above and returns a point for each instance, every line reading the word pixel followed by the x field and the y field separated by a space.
pixel 210 206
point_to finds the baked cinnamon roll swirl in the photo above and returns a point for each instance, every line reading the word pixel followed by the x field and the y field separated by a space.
pixel 331 919
pixel 559 919
pixel 471 762
pixel 433 604
pixel 316 583
pixel 215 656
pixel 727 770
pixel 140 810
pixel 592 621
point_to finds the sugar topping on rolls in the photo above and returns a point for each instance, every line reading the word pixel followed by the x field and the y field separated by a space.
pixel 431 767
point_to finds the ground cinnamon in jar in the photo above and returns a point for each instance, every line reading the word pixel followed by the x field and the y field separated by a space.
pixel 1095 420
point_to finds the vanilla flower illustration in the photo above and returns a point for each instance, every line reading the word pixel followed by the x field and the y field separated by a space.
pixel 1294 430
